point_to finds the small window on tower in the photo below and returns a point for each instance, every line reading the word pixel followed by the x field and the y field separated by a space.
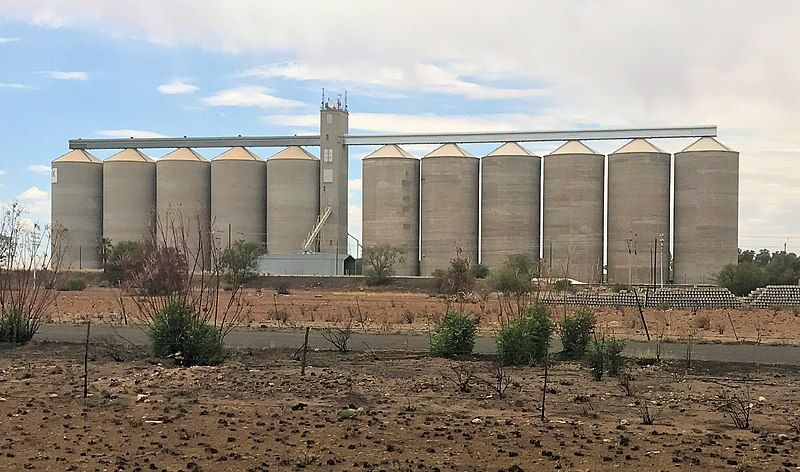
pixel 327 176
pixel 329 118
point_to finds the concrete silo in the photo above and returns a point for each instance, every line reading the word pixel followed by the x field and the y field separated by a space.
pixel 510 185
pixel 706 211
pixel 77 208
pixel 572 234
pixel 638 214
pixel 292 199
pixel 239 197
pixel 129 196
pixel 391 204
pixel 449 207
pixel 183 200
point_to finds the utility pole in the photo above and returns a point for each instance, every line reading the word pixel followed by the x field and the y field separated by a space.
pixel 661 256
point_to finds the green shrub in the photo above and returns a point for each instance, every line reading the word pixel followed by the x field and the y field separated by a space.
pixel 380 262
pixel 564 285
pixel 525 340
pixel 458 278
pixel 576 332
pixel 454 336
pixel 618 288
pixel 177 331
pixel 15 328
pixel 239 262
pixel 74 285
pixel 605 357
pixel 480 271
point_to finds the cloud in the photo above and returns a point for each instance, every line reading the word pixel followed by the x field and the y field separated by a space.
pixel 249 96
pixel 354 215
pixel 366 77
pixel 36 203
pixel 178 87
pixel 355 185
pixel 8 40
pixel 39 169
pixel 128 133
pixel 17 86
pixel 61 75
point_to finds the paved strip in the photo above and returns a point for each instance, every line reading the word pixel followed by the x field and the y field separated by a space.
pixel 266 339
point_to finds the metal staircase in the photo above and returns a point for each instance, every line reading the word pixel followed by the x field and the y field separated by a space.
pixel 315 232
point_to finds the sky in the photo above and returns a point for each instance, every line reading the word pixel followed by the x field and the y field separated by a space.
pixel 94 68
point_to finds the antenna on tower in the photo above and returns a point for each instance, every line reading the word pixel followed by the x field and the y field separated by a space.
pixel 322 104
pixel 338 101
pixel 345 100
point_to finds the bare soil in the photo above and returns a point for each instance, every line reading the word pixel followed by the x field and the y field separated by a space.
pixel 255 412
pixel 413 311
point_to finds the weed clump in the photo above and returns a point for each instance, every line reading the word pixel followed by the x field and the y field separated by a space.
pixel 454 336
pixel 180 333
pixel 576 333
pixel 525 340
pixel 604 356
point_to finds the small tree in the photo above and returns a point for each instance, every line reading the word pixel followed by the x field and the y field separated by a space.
pixel 525 340
pixel 517 280
pixel 121 259
pixel 457 279
pixel 454 336
pixel 604 356
pixel 380 262
pixel 576 333
pixel 239 262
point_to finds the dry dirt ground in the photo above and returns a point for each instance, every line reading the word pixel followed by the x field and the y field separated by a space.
pixel 255 412
pixel 405 311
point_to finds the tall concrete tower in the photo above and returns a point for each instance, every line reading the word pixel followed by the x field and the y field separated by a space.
pixel 333 163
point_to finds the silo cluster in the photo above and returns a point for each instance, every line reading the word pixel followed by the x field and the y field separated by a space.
pixel 449 207
pixel 390 204
pixel 184 200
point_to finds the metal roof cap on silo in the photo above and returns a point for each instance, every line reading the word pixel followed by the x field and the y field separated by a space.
pixel 574 147
pixel 183 154
pixel 706 208
pixel 293 152
pixel 572 207
pixel 237 154
pixel 129 155
pixel 390 151
pixel 510 185
pixel 77 207
pixel 78 155
pixel 390 204
pixel 638 213
pixel 129 196
pixel 707 144
pixel 449 191
pixel 449 150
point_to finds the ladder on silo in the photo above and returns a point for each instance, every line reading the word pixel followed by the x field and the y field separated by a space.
pixel 315 232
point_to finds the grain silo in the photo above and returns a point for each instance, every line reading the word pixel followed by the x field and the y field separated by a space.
pixel 183 200
pixel 572 234
pixel 238 197
pixel 706 211
pixel 449 207
pixel 77 209
pixel 638 214
pixel 292 199
pixel 391 204
pixel 510 185
pixel 129 196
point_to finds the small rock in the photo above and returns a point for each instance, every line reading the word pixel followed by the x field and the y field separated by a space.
pixel 140 398
pixel 624 422
pixel 299 406
pixel 477 421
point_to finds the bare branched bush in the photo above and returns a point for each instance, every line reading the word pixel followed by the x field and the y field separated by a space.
pixel 646 412
pixel 499 378
pixel 737 406
pixel 31 259
pixel 625 380
pixel 339 336
pixel 517 279
pixel 462 375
